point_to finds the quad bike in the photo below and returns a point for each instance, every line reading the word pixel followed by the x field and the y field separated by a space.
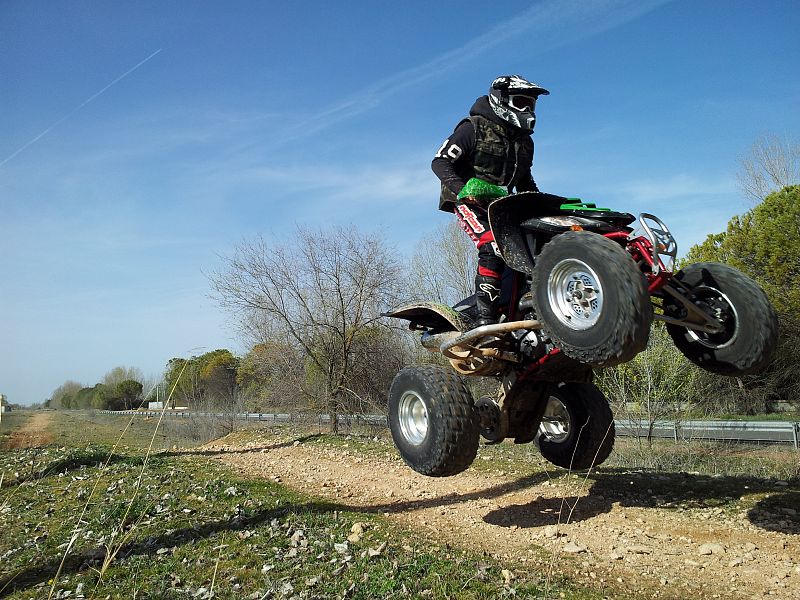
pixel 581 290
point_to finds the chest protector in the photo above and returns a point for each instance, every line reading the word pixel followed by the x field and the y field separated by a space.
pixel 498 157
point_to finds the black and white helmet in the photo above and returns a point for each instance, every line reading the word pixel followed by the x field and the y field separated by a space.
pixel 513 99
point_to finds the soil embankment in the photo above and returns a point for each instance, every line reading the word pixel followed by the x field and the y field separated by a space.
pixel 598 531
pixel 32 434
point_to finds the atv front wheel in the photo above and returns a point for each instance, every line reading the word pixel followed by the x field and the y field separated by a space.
pixel 577 429
pixel 433 421
pixel 592 298
pixel 750 326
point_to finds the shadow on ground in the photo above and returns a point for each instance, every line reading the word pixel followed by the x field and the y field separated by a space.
pixel 778 512
pixel 70 462
pixel 548 511
pixel 248 450
pixel 91 558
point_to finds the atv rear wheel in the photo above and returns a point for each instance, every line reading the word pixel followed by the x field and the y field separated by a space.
pixel 577 429
pixel 750 326
pixel 433 421
pixel 592 298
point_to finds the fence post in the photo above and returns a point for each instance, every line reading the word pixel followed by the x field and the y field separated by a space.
pixel 797 436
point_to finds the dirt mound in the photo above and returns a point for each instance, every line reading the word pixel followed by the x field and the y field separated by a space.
pixel 606 532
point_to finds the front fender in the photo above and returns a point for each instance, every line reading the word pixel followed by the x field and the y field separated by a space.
pixel 505 216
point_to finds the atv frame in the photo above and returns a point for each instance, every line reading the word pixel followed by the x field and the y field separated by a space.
pixel 581 290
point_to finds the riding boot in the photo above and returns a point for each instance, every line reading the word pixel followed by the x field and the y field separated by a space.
pixel 487 299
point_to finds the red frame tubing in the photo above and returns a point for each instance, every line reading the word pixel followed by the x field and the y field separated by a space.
pixel 641 249
pixel 535 366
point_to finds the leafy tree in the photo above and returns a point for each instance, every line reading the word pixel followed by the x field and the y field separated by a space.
pixel 209 377
pixel 129 393
pixel 268 376
pixel 103 398
pixel 182 378
pixel 218 375
pixel 83 398
pixel 764 243
pixel 62 395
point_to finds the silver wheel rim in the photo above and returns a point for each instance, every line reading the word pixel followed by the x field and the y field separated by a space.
pixel 413 417
pixel 556 423
pixel 575 294
pixel 704 341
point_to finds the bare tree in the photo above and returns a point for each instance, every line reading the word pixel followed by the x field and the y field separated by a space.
pixel 322 292
pixel 119 374
pixel 772 164
pixel 658 383
pixel 445 264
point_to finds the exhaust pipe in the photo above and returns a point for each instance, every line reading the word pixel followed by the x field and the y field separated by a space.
pixel 434 341
pixel 484 331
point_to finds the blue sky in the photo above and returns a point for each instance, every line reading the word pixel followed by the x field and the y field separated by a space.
pixel 141 141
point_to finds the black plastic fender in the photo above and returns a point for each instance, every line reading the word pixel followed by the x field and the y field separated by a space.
pixel 505 216
pixel 430 315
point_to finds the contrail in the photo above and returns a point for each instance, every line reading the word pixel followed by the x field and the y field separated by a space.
pixel 547 19
pixel 80 106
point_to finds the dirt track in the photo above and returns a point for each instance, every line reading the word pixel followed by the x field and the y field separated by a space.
pixel 33 434
pixel 615 535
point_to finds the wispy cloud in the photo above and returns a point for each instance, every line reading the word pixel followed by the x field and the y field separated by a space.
pixel 337 182
pixel 691 205
pixel 681 186
pixel 547 21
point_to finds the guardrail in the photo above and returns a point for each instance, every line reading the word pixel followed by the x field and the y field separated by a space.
pixel 774 432
pixel 783 432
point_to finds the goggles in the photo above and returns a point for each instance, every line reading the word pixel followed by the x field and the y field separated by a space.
pixel 522 103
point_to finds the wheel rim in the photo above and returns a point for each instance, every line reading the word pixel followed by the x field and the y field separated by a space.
pixel 575 294
pixel 556 422
pixel 720 306
pixel 413 418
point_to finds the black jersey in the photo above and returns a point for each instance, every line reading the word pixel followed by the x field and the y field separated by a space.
pixel 486 146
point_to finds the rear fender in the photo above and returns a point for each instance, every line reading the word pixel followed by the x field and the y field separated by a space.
pixel 430 315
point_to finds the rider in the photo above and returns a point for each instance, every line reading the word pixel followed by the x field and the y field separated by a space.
pixel 492 144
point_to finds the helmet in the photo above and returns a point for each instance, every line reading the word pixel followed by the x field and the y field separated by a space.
pixel 513 99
